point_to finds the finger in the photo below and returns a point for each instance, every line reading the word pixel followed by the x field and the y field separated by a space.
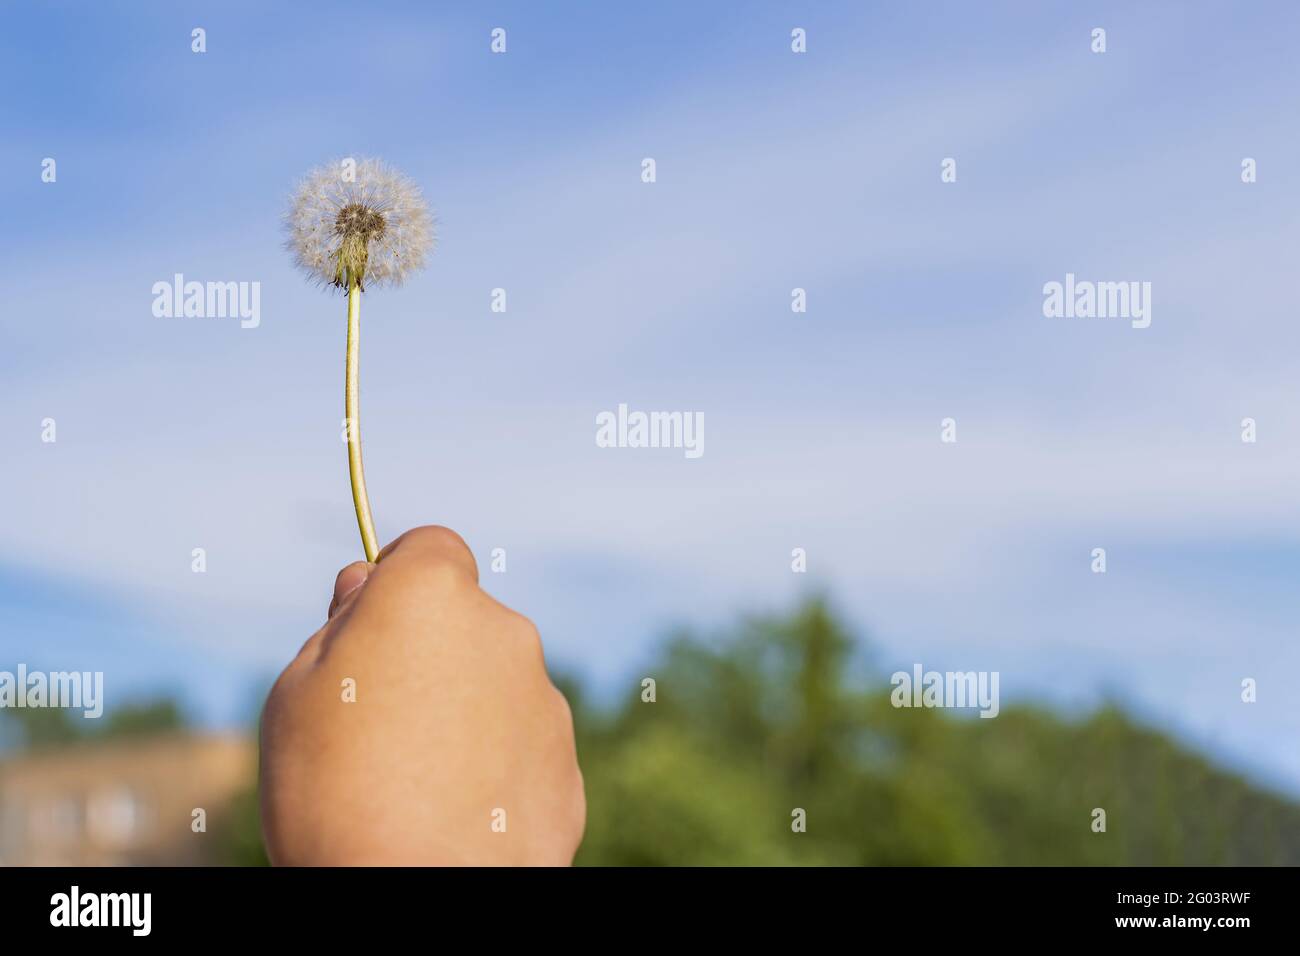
pixel 347 583
pixel 433 542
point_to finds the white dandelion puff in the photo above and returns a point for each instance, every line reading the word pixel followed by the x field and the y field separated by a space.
pixel 354 226
pixel 367 224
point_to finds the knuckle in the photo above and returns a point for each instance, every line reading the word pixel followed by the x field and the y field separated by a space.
pixel 516 625
pixel 433 545
pixel 563 709
pixel 578 805
pixel 527 634
pixel 526 628
pixel 437 536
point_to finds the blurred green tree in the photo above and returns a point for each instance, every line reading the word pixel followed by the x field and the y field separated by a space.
pixel 780 714
pixel 144 719
pixel 37 728
pixel 774 717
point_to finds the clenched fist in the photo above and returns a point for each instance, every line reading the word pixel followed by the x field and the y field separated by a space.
pixel 419 726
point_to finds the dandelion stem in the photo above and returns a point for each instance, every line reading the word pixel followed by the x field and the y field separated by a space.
pixel 352 409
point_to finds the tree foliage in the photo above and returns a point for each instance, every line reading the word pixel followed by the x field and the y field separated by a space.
pixel 771 718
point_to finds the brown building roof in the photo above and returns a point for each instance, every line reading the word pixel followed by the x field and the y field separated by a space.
pixel 126 802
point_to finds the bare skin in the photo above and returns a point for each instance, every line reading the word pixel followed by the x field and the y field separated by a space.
pixel 457 750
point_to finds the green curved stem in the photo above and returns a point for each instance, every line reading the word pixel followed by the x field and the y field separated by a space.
pixel 352 409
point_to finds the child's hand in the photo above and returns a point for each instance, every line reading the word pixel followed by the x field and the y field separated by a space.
pixel 419 726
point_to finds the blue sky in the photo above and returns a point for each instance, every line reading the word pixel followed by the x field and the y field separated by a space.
pixel 775 170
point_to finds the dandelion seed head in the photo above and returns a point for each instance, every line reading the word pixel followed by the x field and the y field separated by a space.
pixel 367 222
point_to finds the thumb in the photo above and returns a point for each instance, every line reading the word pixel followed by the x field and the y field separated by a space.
pixel 346 584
